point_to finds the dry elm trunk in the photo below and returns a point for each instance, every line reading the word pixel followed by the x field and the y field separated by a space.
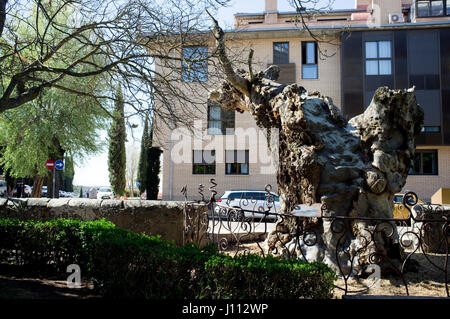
pixel 353 167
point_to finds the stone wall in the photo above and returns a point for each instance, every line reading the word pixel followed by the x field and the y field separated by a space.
pixel 150 217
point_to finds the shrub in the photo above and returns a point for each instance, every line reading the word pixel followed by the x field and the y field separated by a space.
pixel 127 265
pixel 252 277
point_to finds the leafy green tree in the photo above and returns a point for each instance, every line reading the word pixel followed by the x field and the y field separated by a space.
pixel 117 151
pixel 56 122
pixel 48 128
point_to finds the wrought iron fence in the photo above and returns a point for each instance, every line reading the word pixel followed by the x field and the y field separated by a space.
pixel 233 223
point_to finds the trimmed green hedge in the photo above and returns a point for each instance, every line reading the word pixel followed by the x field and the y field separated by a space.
pixel 127 265
pixel 250 276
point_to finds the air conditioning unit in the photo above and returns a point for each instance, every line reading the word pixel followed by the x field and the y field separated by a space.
pixel 396 18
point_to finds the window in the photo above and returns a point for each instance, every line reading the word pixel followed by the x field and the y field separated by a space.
pixel 235 195
pixel 425 163
pixel 220 121
pixel 255 195
pixel 195 65
pixel 378 58
pixel 281 52
pixel 398 199
pixel 204 162
pixel 309 60
pixel 448 8
pixel 432 8
pixel 236 162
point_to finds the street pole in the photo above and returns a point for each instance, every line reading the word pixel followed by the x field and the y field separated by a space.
pixel 54 181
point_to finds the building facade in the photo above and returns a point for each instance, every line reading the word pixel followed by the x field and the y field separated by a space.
pixel 344 54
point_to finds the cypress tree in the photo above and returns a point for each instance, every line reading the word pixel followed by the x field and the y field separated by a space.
pixel 153 170
pixel 141 174
pixel 153 167
pixel 149 163
pixel 117 152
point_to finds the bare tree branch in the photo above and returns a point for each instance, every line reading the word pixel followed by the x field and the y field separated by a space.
pixel 240 83
pixel 139 43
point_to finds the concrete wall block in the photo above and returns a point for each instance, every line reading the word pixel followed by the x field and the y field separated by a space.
pixel 149 217
pixel 3 202
pixel 38 202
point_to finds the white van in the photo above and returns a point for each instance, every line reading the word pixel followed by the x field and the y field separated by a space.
pixel 3 188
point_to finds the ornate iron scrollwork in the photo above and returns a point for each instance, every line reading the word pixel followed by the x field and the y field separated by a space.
pixel 231 224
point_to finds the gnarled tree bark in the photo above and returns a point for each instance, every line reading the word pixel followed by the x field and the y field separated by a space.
pixel 353 167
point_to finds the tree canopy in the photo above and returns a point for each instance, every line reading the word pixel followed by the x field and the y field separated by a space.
pixel 29 133
pixel 68 40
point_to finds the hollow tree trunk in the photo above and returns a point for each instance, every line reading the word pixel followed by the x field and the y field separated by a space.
pixel 353 167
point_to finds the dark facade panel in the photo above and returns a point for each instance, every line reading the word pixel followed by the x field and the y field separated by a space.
pixel 378 36
pixel 445 83
pixel 424 68
pixel 425 82
pixel 368 96
pixel 423 52
pixel 446 116
pixel 419 57
pixel 374 82
pixel 352 74
pixel 353 68
pixel 351 45
pixel 287 73
pixel 354 104
pixel 430 101
pixel 401 59
pixel 429 139
pixel 352 84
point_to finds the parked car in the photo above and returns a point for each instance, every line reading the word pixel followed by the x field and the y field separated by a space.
pixel 27 190
pixel 65 194
pixel 400 211
pixel 105 193
pixel 250 201
pixel 3 188
pixel 21 190
pixel 44 191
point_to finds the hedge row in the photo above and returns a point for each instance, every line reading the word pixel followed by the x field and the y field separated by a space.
pixel 127 265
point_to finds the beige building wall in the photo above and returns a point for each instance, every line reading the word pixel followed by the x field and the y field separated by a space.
pixel 176 174
pixel 329 66
pixel 426 185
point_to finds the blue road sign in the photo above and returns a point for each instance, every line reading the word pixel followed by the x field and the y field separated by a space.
pixel 137 184
pixel 59 165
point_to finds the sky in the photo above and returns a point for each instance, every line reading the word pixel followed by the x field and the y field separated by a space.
pixel 93 171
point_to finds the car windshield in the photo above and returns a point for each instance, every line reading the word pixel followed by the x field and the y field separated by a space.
pixel 235 195
pixel 105 190
pixel 251 196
